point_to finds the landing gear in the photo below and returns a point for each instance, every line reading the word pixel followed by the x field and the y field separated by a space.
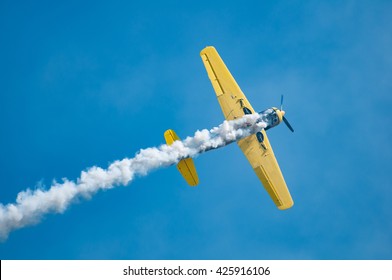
pixel 247 111
pixel 260 138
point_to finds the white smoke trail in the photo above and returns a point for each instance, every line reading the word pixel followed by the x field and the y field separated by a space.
pixel 31 206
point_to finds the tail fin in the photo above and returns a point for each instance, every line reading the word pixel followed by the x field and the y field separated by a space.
pixel 185 166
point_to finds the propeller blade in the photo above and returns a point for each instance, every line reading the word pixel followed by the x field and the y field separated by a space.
pixel 281 102
pixel 288 124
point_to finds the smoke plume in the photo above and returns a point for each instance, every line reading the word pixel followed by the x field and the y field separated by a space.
pixel 31 205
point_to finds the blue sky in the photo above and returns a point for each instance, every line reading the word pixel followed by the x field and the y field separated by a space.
pixel 84 84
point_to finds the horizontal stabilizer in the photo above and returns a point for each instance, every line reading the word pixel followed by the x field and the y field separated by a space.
pixel 185 166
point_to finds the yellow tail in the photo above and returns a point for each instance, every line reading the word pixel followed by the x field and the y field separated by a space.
pixel 185 166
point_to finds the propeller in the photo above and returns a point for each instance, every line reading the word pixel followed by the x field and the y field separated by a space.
pixel 288 124
pixel 281 102
pixel 284 118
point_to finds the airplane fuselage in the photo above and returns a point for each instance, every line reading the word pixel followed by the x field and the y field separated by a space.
pixel 272 116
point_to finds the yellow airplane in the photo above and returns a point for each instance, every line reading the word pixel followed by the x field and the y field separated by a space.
pixel 256 147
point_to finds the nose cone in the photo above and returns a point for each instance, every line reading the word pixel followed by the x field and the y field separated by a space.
pixel 280 114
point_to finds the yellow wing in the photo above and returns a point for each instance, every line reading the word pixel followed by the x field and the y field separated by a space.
pixel 263 162
pixel 231 99
pixel 257 149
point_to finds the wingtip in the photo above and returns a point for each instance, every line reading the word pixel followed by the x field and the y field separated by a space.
pixel 170 136
pixel 207 49
pixel 286 206
pixel 195 182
